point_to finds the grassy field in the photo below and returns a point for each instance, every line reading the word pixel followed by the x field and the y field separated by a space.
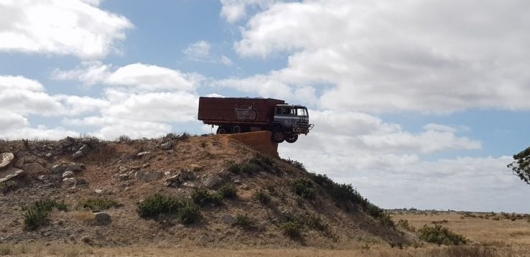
pixel 488 234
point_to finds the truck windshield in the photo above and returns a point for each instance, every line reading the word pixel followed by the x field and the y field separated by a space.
pixel 301 111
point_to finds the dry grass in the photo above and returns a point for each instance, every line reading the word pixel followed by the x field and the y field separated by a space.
pixel 489 238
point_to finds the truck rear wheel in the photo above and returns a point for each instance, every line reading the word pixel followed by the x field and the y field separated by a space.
pixel 236 129
pixel 292 138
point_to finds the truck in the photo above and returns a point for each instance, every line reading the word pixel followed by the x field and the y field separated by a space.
pixel 240 114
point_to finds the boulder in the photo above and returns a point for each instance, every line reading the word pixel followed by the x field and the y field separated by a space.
pixel 6 159
pixel 212 181
pixel 166 145
pixel 68 174
pixel 68 182
pixel 228 219
pixel 152 176
pixel 102 218
pixel 17 173
pixel 34 168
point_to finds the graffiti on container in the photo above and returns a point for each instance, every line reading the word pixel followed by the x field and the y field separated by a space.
pixel 246 112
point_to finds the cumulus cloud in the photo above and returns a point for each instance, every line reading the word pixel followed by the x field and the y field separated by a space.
pixel 26 96
pixel 136 76
pixel 198 50
pixel 62 27
pixel 234 10
pixel 375 56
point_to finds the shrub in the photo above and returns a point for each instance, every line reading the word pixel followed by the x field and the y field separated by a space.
pixel 245 222
pixel 344 195
pixel 243 168
pixel 35 218
pixel 262 196
pixel 405 225
pixel 440 235
pixel 296 164
pixel 292 229
pixel 156 205
pixel 304 188
pixel 37 214
pixel 315 222
pixel 203 197
pixel 228 191
pixel 189 213
pixel 8 186
pixel 98 204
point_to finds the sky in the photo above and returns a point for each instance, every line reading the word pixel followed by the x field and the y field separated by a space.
pixel 416 103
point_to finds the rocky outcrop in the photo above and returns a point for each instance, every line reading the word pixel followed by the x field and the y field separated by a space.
pixel 6 159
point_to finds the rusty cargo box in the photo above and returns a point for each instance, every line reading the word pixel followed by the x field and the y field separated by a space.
pixel 250 111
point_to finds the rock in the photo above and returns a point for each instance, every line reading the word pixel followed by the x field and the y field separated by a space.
pixel 166 145
pixel 123 177
pixel 17 173
pixel 212 181
pixel 140 154
pixel 75 167
pixel 98 191
pixel 228 219
pixel 102 218
pixel 6 159
pixel 68 141
pixel 63 166
pixel 181 177
pixel 81 183
pixel 68 174
pixel 139 174
pixel 122 169
pixel 77 154
pixel 68 182
pixel 84 148
pixel 152 176
pixel 41 177
pixel 196 167
pixel 34 168
pixel 58 168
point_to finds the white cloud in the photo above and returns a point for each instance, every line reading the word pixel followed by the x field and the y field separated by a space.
pixel 234 10
pixel 63 27
pixel 26 96
pixel 380 56
pixel 198 50
pixel 136 76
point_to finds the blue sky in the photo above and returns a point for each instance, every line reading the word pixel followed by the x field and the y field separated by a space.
pixel 417 104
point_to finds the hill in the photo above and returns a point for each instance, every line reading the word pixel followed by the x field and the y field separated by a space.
pixel 212 190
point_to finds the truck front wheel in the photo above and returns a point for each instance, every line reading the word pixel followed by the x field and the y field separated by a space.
pixel 278 136
pixel 292 138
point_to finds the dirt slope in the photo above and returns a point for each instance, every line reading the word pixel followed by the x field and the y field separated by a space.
pixel 127 171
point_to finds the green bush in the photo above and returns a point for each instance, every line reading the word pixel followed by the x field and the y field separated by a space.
pixel 262 196
pixel 228 191
pixel 315 222
pixel 7 186
pixel 345 196
pixel 98 204
pixel 245 222
pixel 202 197
pixel 248 167
pixel 156 205
pixel 296 164
pixel 189 213
pixel 440 235
pixel 36 215
pixel 35 218
pixel 292 229
pixel 304 188
pixel 405 225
